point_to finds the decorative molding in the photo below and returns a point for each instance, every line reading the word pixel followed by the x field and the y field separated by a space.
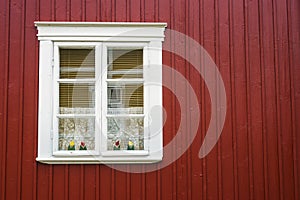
pixel 100 31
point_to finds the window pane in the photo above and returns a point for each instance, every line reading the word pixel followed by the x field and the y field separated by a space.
pixel 79 95
pixel 128 96
pixel 77 131
pixel 125 63
pixel 125 133
pixel 77 63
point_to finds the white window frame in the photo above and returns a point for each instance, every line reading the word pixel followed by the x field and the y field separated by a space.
pixel 99 35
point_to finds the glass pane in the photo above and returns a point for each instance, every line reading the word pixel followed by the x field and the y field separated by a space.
pixel 79 96
pixel 76 134
pixel 125 99
pixel 125 63
pixel 77 63
pixel 125 133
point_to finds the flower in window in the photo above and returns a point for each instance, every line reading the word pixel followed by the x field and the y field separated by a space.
pixel 82 146
pixel 130 145
pixel 117 145
pixel 71 145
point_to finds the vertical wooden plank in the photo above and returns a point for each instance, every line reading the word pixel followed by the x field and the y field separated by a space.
pixel 128 185
pixel 209 42
pixel 166 173
pixel 248 103
pixel 74 182
pixel 142 8
pixel 196 175
pixel 120 10
pixel 269 103
pixel 97 184
pixel 254 85
pixel 217 91
pixel 232 95
pixel 45 10
pixel 76 10
pixel 180 47
pixel 204 114
pixel 166 182
pixel 204 101
pixel 151 190
pixel 43 181
pixel 149 11
pixel 91 8
pixel 4 56
pixel 293 128
pixel 107 11
pixel 66 182
pixel 135 186
pixel 120 185
pixel 135 10
pixel 294 28
pixel 278 117
pixel 89 182
pixel 227 158
pixel 174 99
pixel 15 98
pixel 190 105
pixel 183 98
pixel 169 173
pixel 61 13
pixel 82 181
pixel 284 101
pixel 30 100
pixel 263 110
pixel 59 182
pixel 240 93
pixel 107 183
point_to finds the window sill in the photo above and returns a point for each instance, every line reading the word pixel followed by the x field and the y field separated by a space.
pixel 125 153
pixel 99 160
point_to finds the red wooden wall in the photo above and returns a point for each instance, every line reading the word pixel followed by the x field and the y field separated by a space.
pixel 256 45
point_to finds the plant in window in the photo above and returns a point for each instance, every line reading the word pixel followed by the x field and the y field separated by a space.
pixel 130 145
pixel 71 146
pixel 82 146
pixel 117 145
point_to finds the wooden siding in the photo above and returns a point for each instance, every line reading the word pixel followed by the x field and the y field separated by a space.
pixel 256 45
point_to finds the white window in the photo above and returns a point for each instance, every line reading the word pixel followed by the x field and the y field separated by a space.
pixel 100 92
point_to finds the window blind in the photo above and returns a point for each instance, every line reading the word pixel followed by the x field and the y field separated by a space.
pixel 125 63
pixel 77 64
pixel 75 95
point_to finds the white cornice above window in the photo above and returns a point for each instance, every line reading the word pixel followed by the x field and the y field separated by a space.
pixel 100 31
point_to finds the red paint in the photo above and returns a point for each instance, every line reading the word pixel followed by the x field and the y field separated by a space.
pixel 256 46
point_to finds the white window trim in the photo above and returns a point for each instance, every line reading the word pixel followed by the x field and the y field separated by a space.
pixel 100 35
